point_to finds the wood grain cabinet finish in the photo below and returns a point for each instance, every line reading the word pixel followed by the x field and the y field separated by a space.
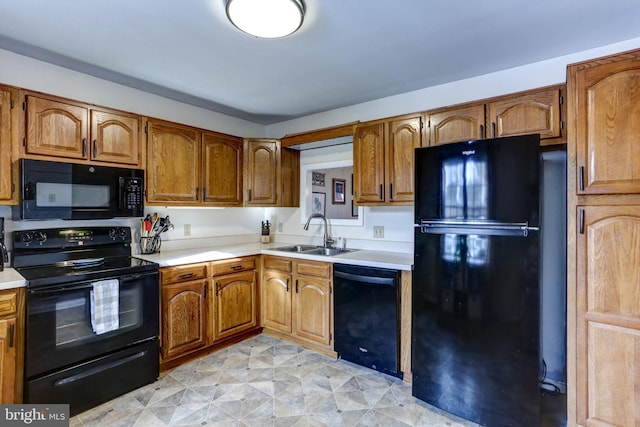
pixel 262 168
pixel 297 301
pixel 530 112
pixel 184 310
pixel 6 179
pixel 383 161
pixel 603 259
pixel 221 165
pixel 608 314
pixel 536 111
pixel 456 124
pixel 11 345
pixel 67 130
pixel 607 96
pixel 172 173
pixel 271 174
pixel 236 297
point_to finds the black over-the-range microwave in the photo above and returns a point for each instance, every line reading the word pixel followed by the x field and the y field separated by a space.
pixel 57 190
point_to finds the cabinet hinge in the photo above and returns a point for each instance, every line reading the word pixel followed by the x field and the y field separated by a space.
pixel 146 128
pixel 561 124
pixel 561 99
pixel 24 106
pixel 13 188
pixel 24 142
pixel 11 105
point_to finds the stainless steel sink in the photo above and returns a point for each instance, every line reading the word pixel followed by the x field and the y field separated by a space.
pixel 327 251
pixel 296 248
pixel 313 250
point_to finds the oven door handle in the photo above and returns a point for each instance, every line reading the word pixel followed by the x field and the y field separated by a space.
pixel 71 287
pixel 97 369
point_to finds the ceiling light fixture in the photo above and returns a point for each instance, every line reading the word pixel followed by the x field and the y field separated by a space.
pixel 266 18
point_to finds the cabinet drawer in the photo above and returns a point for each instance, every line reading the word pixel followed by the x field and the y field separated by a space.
pixel 8 302
pixel 277 263
pixel 183 273
pixel 314 268
pixel 232 265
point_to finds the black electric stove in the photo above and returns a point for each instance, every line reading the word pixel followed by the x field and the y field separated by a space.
pixel 61 255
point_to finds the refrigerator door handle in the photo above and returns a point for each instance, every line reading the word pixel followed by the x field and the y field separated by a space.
pixel 476 227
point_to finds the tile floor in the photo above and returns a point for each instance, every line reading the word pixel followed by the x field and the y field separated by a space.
pixel 267 382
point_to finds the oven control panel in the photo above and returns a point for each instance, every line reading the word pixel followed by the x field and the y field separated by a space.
pixel 52 238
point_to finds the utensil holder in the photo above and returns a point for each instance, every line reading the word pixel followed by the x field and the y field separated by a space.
pixel 150 245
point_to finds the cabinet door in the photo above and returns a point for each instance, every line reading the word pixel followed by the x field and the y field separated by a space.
pixel 115 138
pixel 368 163
pixel 312 309
pixel 236 308
pixel 55 128
pixel 608 316
pixel 5 145
pixel 221 170
pixel 531 112
pixel 7 360
pixel 262 172
pixel 457 124
pixel 172 163
pixel 184 318
pixel 404 137
pixel 607 101
pixel 276 300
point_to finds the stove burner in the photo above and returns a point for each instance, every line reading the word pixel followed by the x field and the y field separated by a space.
pixel 81 263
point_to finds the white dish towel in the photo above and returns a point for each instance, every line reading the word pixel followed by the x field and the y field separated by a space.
pixel 105 306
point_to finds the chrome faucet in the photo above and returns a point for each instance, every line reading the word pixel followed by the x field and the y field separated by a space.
pixel 327 240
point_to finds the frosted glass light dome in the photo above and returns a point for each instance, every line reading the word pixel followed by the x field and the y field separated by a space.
pixel 266 18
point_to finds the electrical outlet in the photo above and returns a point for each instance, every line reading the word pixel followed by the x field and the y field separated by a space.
pixel 378 231
pixel 279 227
pixel 187 229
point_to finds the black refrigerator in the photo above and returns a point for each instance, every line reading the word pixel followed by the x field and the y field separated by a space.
pixel 475 297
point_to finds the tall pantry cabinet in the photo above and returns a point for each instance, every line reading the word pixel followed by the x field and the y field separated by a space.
pixel 604 241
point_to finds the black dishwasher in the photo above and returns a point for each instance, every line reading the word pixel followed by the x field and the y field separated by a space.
pixel 366 313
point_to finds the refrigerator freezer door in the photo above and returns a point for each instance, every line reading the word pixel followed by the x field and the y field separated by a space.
pixel 485 180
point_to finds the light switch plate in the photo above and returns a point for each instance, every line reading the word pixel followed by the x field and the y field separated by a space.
pixel 378 231
pixel 187 229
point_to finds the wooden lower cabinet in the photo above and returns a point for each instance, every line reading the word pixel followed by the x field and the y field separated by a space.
pixel 11 345
pixel 206 304
pixel 608 315
pixel 236 294
pixel 297 301
pixel 184 312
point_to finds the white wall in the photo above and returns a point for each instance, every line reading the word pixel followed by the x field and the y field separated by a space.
pixel 517 79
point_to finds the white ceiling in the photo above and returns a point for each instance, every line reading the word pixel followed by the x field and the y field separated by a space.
pixel 347 51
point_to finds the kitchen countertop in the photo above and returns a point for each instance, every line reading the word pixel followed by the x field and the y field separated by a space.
pixel 10 278
pixel 364 257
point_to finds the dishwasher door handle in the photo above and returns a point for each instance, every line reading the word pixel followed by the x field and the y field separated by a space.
pixel 365 279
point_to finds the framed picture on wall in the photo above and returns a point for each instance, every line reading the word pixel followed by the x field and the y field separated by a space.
pixel 318 203
pixel 339 186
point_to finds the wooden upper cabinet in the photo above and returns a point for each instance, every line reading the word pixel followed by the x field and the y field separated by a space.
pixel 221 169
pixel 608 316
pixel 172 174
pixel 606 98
pixel 115 137
pixel 6 192
pixel 62 129
pixel 368 163
pixel 56 128
pixel 262 172
pixel 383 161
pixel 404 137
pixel 464 123
pixel 529 112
